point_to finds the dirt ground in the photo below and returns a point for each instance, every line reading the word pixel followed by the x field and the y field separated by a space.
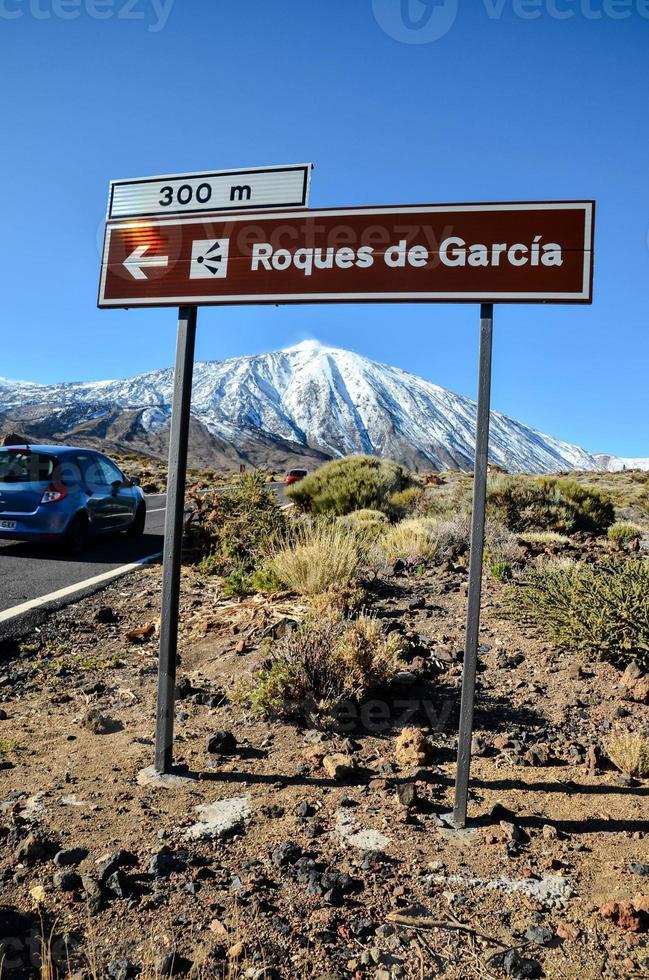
pixel 311 872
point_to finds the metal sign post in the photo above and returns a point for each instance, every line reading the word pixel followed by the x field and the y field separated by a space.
pixel 475 568
pixel 178 440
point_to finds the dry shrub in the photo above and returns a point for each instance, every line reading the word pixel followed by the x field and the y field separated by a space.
pixel 629 751
pixel 453 537
pixel 501 546
pixel 325 661
pixel 316 558
pixel 366 656
pixel 338 601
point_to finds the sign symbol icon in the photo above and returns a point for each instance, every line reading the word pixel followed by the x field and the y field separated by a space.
pixel 137 261
pixel 209 258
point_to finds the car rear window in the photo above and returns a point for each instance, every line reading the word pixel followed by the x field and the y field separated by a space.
pixel 297 473
pixel 22 466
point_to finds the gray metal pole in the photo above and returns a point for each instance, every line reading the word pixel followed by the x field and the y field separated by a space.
pixel 178 440
pixel 475 568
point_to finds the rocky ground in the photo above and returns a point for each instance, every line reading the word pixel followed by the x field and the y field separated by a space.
pixel 297 853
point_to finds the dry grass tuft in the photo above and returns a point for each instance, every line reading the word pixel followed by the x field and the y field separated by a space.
pixel 544 538
pixel 629 751
pixel 414 539
pixel 317 558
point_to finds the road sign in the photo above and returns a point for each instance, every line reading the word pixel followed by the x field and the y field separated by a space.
pixel 519 252
pixel 527 252
pixel 262 189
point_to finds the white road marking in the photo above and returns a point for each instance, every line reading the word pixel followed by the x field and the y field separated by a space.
pixel 157 510
pixel 77 587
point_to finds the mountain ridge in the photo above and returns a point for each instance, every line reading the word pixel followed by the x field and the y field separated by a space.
pixel 305 402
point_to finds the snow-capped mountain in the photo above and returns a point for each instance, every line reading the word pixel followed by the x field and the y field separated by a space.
pixel 307 400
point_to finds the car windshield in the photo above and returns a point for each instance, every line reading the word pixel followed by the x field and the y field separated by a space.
pixel 23 466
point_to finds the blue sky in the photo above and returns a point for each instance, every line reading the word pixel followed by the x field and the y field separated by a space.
pixel 486 100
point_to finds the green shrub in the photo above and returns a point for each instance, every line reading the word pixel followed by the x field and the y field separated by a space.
pixel 367 526
pixel 316 558
pixel 500 570
pixel 547 504
pixel 593 511
pixel 265 580
pixel 211 564
pixel 237 583
pixel 273 692
pixel 242 583
pixel 368 523
pixel 230 532
pixel 326 661
pixel 346 485
pixel 599 610
pixel 621 534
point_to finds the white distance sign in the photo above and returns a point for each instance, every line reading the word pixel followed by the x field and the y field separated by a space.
pixel 261 189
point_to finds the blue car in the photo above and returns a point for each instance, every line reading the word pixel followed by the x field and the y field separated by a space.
pixel 65 494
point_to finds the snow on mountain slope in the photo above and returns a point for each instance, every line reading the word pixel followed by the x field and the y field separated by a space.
pixel 330 400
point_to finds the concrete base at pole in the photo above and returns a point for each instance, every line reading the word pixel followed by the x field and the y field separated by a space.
pixel 164 780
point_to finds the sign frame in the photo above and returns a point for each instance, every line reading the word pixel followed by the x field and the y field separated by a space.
pixel 582 297
pixel 305 168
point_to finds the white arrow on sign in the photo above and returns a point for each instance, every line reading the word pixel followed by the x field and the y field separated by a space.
pixel 137 261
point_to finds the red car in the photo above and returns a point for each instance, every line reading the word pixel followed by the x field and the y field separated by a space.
pixel 294 476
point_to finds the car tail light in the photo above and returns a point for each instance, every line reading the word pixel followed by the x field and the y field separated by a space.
pixel 52 495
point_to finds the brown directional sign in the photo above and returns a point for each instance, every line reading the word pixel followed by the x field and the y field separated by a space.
pixel 522 252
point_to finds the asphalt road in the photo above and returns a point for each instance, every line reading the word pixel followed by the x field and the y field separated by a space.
pixel 31 572
pixel 34 578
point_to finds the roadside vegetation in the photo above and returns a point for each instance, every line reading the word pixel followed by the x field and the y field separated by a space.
pixel 357 518
pixel 320 649
pixel 230 532
pixel 624 534
pixel 318 557
pixel 548 504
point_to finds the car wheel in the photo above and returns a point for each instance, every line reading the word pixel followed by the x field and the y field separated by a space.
pixel 136 530
pixel 76 537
